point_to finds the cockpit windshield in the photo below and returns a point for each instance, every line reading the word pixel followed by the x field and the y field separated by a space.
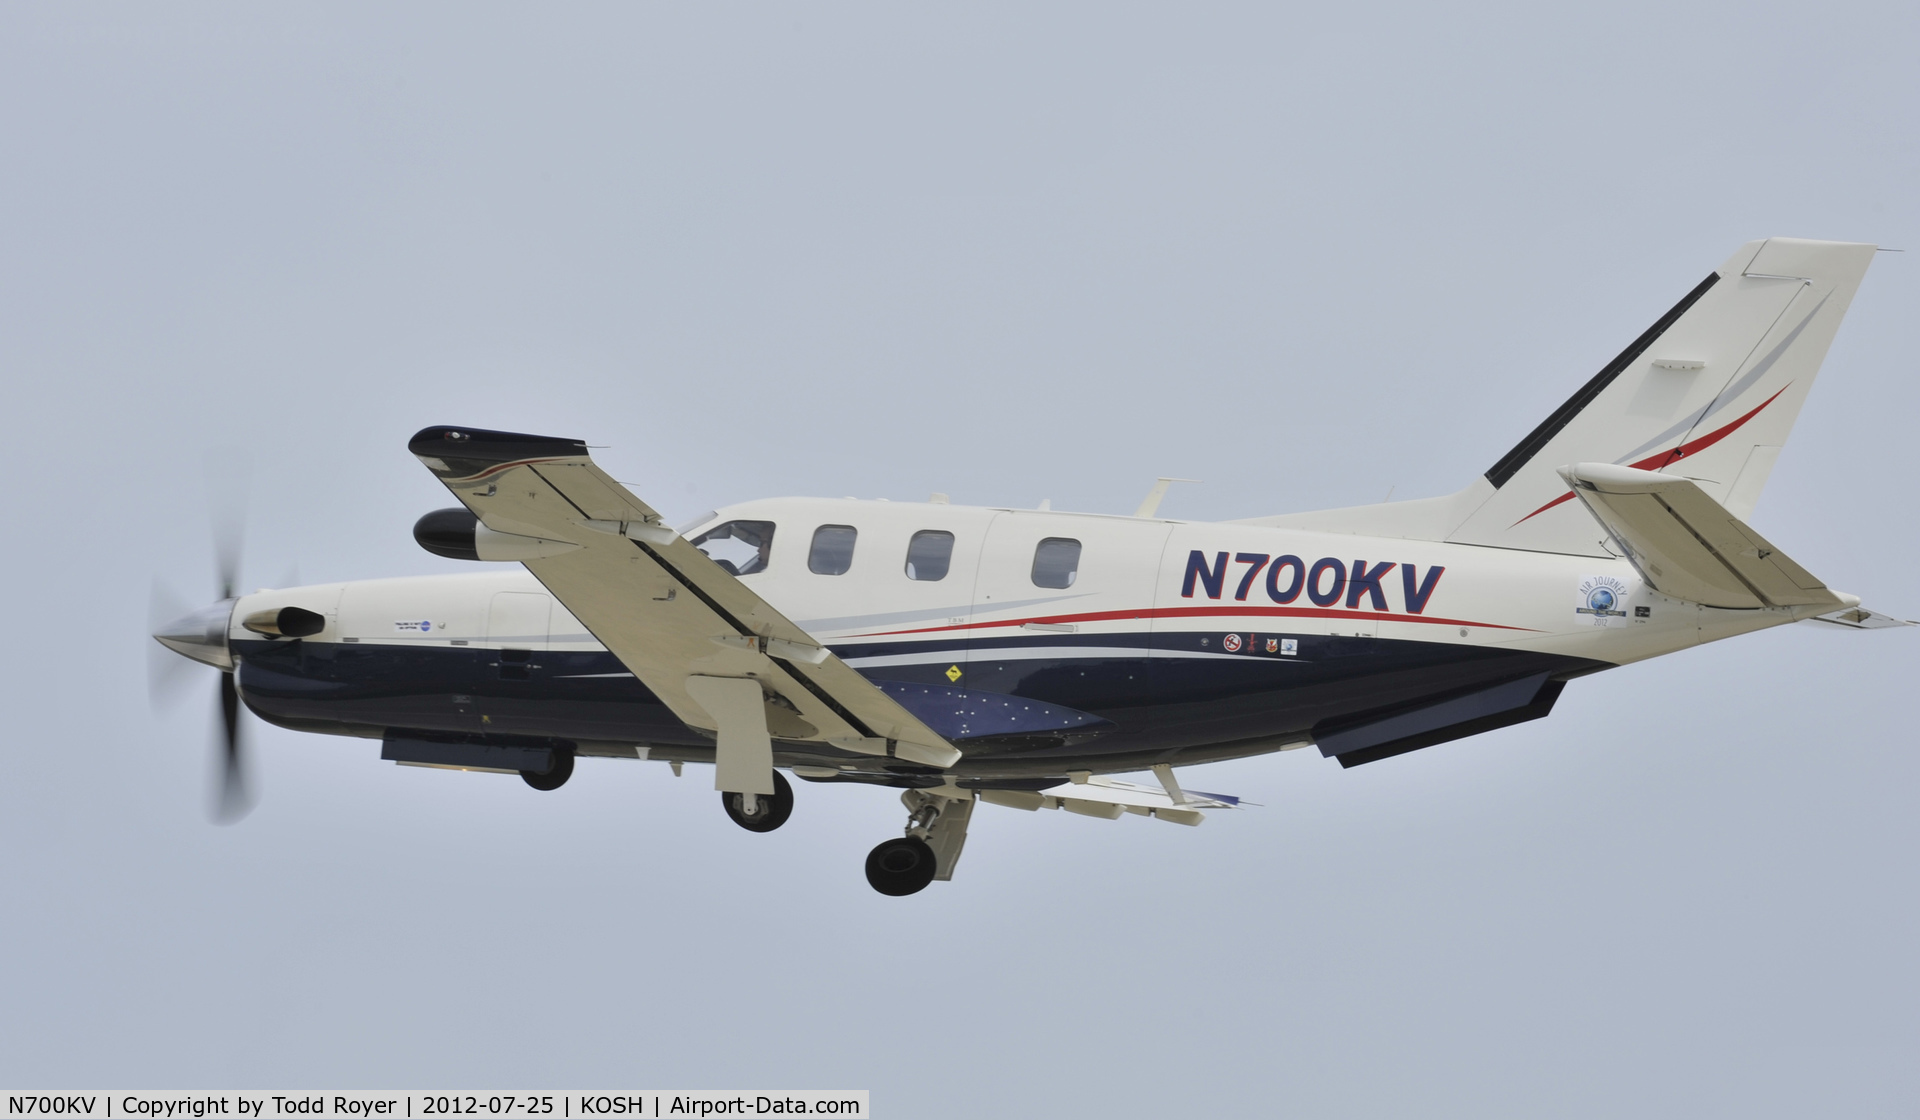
pixel 741 547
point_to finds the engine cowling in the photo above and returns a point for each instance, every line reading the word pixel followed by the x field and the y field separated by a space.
pixel 459 535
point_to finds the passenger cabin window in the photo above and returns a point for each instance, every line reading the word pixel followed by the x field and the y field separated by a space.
pixel 741 547
pixel 929 554
pixel 832 552
pixel 1056 561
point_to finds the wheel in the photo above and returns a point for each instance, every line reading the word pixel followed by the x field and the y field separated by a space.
pixel 769 813
pixel 556 775
pixel 901 866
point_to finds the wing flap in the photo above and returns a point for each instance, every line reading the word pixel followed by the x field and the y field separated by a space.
pixel 1689 546
pixel 598 497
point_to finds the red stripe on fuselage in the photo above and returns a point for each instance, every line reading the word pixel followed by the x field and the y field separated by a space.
pixel 1200 612
pixel 1662 459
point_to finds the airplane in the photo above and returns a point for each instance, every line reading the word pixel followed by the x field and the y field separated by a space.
pixel 1023 658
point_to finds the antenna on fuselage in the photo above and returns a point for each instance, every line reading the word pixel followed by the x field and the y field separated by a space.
pixel 1150 504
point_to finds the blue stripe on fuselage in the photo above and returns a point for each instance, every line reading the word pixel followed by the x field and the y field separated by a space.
pixel 1055 692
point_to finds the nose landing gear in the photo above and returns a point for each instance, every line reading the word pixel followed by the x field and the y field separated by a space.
pixel 766 813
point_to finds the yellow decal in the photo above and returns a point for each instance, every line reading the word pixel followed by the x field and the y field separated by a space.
pixel 953 672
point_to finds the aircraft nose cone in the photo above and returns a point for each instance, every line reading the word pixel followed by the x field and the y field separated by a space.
pixel 201 635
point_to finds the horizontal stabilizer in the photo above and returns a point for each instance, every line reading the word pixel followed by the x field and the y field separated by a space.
pixel 1688 546
pixel 1096 796
pixel 1117 792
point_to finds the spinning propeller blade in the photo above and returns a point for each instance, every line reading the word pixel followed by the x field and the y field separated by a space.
pixel 202 636
pixel 234 797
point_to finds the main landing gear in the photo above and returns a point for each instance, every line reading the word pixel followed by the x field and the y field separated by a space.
pixel 555 775
pixel 902 866
pixel 936 831
pixel 766 813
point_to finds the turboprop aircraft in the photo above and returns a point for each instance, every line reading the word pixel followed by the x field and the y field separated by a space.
pixel 1023 657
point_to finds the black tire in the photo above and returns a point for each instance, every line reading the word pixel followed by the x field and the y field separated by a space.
pixel 900 867
pixel 770 812
pixel 556 775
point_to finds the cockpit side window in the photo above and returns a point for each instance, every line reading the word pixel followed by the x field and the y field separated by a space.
pixel 832 551
pixel 741 547
pixel 1056 561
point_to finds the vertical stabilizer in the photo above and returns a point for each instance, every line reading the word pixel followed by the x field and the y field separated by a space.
pixel 1708 392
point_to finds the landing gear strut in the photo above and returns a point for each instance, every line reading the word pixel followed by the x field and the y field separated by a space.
pixel 936 830
pixel 767 813
pixel 555 776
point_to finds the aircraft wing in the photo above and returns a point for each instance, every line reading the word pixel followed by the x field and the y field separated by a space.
pixel 1691 547
pixel 691 631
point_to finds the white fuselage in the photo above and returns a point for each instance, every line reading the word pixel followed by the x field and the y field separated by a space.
pixel 1179 611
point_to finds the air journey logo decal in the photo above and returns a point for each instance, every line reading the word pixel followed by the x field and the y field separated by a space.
pixel 1603 597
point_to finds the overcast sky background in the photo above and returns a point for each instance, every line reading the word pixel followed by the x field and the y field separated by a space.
pixel 1009 252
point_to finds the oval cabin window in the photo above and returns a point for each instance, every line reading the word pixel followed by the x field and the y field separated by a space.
pixel 832 551
pixel 929 554
pixel 1056 561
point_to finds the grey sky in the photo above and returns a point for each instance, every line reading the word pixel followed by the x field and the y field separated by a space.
pixel 1008 252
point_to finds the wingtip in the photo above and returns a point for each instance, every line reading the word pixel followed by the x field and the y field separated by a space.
pixel 458 452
